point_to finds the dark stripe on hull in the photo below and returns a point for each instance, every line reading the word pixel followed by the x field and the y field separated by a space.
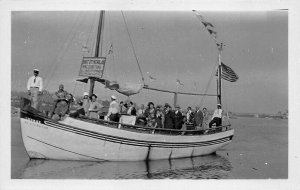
pixel 135 142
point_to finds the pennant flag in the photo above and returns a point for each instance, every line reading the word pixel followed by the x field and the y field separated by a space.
pixel 209 26
pixel 228 74
pixel 179 82
pixel 207 23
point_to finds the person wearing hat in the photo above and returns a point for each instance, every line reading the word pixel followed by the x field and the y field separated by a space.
pixel 178 118
pixel 34 87
pixel 61 101
pixel 94 108
pixel 113 111
pixel 217 116
pixel 86 102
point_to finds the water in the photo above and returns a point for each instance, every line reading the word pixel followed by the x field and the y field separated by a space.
pixel 259 150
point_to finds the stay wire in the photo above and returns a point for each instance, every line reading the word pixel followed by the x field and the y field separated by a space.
pixel 65 49
pixel 207 86
pixel 133 49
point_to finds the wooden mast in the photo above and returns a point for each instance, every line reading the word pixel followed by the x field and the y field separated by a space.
pixel 219 81
pixel 99 33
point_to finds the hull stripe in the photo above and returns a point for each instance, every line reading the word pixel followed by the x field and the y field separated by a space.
pixel 64 149
pixel 134 142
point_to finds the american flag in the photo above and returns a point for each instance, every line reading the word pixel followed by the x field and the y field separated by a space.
pixel 228 74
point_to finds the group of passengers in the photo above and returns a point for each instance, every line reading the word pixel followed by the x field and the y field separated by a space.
pixel 151 116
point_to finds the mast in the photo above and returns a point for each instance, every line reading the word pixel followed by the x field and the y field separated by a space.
pixel 219 81
pixel 99 35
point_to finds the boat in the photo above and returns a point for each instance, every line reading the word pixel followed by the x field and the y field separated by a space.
pixel 87 139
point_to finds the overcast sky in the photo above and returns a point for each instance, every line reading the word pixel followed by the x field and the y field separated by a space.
pixel 169 46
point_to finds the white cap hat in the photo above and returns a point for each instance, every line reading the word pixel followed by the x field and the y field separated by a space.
pixel 85 94
pixel 36 70
pixel 219 105
pixel 113 97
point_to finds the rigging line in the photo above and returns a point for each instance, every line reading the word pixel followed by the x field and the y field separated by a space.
pixel 90 33
pixel 111 40
pixel 207 86
pixel 133 49
pixel 71 39
pixel 65 48
pixel 58 54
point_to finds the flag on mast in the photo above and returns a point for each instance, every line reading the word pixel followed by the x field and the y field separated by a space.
pixel 228 74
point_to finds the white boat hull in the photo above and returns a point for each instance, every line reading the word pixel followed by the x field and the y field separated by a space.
pixel 74 139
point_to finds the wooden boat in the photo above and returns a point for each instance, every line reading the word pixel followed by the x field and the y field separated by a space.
pixel 98 140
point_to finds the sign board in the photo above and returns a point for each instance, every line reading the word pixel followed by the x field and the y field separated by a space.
pixel 92 67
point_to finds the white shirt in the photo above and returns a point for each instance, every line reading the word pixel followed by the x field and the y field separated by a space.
pixel 38 82
pixel 113 108
pixel 140 112
pixel 217 113
pixel 129 110
pixel 188 115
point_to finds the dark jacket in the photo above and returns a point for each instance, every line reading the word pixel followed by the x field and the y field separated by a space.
pixel 169 120
pixel 198 117
pixel 178 120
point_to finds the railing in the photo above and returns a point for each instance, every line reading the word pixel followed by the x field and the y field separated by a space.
pixel 151 130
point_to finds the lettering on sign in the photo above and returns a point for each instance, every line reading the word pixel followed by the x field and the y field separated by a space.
pixel 92 67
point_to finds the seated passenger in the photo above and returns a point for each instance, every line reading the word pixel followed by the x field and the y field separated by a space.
pixel 159 119
pixel 131 109
pixel 79 110
pixel 141 118
pixel 94 108
pixel 123 108
pixel 150 115
pixel 61 102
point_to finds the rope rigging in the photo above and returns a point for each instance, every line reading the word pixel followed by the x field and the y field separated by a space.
pixel 207 86
pixel 137 61
pixel 65 46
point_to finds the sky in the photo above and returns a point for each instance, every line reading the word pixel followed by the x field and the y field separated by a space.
pixel 169 45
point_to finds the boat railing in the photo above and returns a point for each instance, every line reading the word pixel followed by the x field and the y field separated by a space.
pixel 151 130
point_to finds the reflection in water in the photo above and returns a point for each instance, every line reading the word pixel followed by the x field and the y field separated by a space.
pixel 205 167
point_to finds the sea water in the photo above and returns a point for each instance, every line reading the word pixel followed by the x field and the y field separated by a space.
pixel 259 150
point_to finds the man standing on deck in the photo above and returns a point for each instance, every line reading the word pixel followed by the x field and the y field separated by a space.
pixel 113 111
pixel 217 117
pixel 178 121
pixel 35 87
pixel 198 117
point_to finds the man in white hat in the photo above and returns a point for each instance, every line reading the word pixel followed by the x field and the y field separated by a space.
pixel 35 87
pixel 113 111
pixel 86 102
pixel 217 116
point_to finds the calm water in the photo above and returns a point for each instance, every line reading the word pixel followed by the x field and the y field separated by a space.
pixel 259 151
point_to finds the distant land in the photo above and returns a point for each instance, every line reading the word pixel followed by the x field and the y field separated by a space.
pixel 47 104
